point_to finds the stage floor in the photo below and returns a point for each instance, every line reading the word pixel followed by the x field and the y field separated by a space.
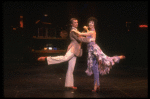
pixel 38 80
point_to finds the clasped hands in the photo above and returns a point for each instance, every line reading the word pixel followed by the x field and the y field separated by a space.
pixel 76 31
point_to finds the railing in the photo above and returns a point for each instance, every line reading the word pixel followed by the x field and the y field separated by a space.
pixel 41 37
pixel 48 51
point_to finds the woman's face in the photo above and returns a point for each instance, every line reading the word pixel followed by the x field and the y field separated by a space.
pixel 91 24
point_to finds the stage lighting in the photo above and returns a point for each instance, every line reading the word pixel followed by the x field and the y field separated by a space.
pixel 45 48
pixel 14 28
pixel 54 48
pixel 50 48
pixel 143 26
pixel 45 15
pixel 21 21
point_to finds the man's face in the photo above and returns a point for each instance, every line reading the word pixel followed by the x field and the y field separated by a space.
pixel 75 23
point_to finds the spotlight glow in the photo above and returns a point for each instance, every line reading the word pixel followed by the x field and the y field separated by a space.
pixel 143 26
pixel 50 48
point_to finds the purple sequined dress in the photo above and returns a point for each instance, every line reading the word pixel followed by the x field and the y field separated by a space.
pixel 107 62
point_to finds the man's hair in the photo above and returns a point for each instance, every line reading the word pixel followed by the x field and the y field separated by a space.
pixel 92 19
pixel 71 20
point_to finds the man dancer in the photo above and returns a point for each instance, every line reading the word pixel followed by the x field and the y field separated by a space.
pixel 74 50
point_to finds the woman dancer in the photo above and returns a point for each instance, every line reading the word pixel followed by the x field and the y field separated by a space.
pixel 97 61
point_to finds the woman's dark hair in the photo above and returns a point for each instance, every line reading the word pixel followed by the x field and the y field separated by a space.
pixel 92 19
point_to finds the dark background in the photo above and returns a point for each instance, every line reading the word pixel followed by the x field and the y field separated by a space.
pixel 112 34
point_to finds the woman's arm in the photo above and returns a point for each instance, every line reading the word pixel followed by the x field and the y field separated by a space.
pixel 84 34
pixel 81 39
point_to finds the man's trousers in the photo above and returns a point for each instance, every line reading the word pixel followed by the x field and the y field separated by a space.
pixel 71 58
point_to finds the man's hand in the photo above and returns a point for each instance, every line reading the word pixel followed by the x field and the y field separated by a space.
pixel 92 40
pixel 73 30
pixel 77 32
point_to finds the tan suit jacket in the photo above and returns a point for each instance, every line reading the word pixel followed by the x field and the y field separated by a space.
pixel 75 44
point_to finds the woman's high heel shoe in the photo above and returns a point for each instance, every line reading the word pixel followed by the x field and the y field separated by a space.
pixel 98 89
pixel 94 90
